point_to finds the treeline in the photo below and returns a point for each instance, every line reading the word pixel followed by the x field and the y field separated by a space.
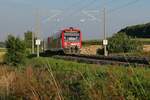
pixel 17 49
pixel 2 44
pixel 27 39
pixel 138 31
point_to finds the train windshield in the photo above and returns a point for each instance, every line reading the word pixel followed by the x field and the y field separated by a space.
pixel 72 36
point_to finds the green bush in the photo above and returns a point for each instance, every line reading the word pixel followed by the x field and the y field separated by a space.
pixel 100 51
pixel 2 45
pixel 16 51
pixel 120 42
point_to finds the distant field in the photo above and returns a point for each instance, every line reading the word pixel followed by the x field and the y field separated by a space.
pixel 145 41
pixel 90 49
pixel 2 49
pixel 90 46
pixel 2 54
pixel 92 42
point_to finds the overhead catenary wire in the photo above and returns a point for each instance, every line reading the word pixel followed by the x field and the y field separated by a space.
pixel 89 5
pixel 79 10
pixel 108 12
pixel 106 3
pixel 98 11
pixel 67 9
pixel 84 7
pixel 76 4
pixel 124 6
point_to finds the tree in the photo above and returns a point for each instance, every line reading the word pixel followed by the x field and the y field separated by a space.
pixel 15 51
pixel 2 45
pixel 120 42
pixel 28 39
pixel 139 31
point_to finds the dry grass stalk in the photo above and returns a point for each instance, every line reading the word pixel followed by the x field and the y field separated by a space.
pixel 6 81
pixel 55 83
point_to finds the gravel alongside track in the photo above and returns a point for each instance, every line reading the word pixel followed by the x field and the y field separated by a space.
pixel 110 60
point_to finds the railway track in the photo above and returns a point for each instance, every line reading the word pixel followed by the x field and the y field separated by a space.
pixel 109 60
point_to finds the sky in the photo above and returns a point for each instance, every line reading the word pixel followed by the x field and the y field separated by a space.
pixel 49 16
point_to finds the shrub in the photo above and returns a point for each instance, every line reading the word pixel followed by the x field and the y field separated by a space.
pixel 100 51
pixel 2 45
pixel 120 42
pixel 15 51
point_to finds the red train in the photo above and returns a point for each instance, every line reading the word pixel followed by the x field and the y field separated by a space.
pixel 67 41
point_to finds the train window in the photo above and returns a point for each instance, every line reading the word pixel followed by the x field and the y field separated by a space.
pixel 72 36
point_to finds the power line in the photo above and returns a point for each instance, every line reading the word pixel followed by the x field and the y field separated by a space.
pixel 106 3
pixel 84 7
pixel 55 14
pixel 120 7
pixel 89 13
pixel 78 10
pixel 66 10
pixel 92 16
pixel 124 6
pixel 73 4
pixel 87 6
pixel 66 14
pixel 93 1
pixel 105 41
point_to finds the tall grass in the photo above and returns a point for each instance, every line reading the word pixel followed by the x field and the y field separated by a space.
pixel 2 55
pixel 46 79
pixel 2 49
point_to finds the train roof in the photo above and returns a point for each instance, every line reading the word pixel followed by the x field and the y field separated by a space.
pixel 58 34
pixel 70 29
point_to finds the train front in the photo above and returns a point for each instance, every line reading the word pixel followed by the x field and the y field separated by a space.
pixel 71 41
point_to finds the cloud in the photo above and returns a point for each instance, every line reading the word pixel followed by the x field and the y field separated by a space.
pixel 53 14
pixel 91 14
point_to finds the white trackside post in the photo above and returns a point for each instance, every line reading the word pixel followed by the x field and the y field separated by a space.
pixel 38 42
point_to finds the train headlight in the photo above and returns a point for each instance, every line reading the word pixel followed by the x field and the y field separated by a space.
pixel 65 44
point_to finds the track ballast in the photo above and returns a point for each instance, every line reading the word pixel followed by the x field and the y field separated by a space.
pixel 109 60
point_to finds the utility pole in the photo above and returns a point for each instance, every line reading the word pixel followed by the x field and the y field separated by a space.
pixel 105 41
pixel 104 23
pixel 33 42
pixel 38 41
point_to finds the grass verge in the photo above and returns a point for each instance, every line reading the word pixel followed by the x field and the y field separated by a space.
pixel 2 55
pixel 46 78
